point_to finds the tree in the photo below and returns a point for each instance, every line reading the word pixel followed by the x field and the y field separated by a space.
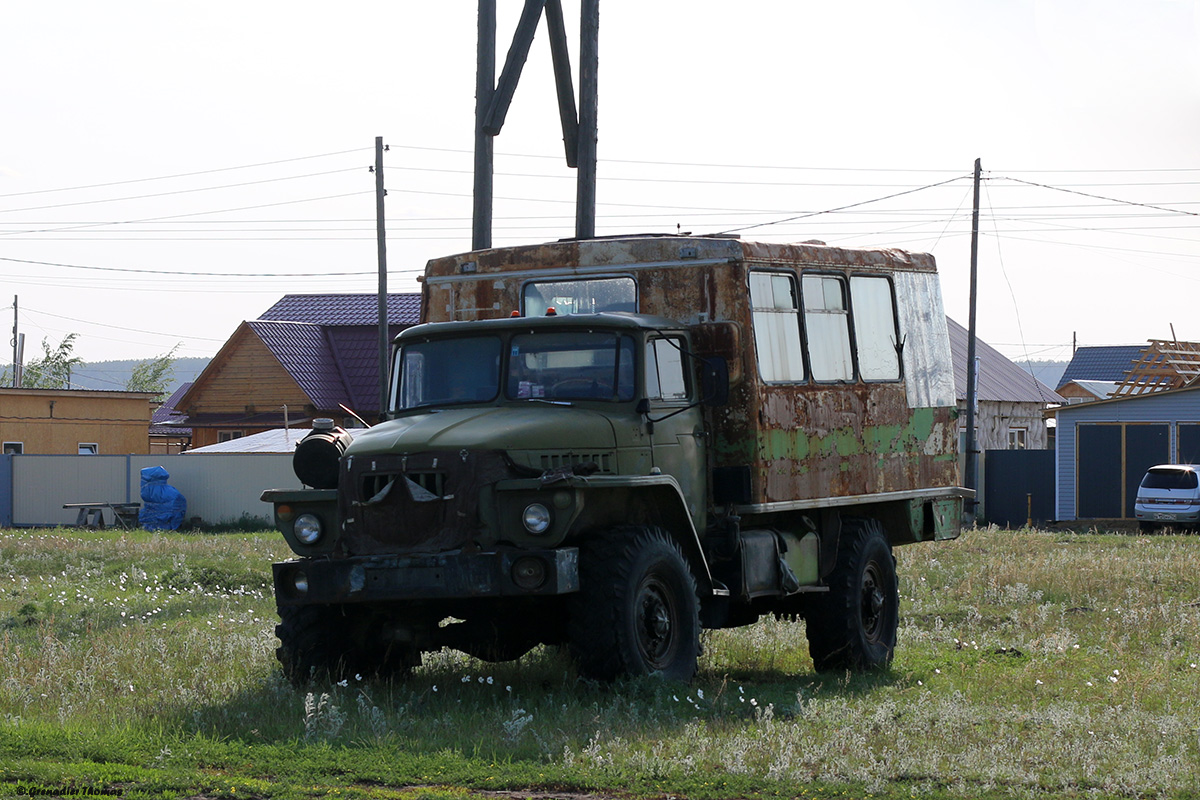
pixel 53 369
pixel 154 375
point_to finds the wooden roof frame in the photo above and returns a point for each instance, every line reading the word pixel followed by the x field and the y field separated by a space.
pixel 1163 364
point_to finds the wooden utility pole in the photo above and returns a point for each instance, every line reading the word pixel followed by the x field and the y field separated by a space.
pixel 493 98
pixel 381 240
pixel 485 82
pixel 971 478
pixel 589 57
pixel 15 368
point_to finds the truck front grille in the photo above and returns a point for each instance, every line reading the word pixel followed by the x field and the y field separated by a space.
pixel 415 503
pixel 603 461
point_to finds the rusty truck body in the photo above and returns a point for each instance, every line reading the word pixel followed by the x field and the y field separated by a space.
pixel 613 443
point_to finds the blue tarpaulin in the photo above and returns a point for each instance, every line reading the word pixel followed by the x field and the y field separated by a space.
pixel 163 507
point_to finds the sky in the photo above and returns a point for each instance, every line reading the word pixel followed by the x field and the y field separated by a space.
pixel 168 170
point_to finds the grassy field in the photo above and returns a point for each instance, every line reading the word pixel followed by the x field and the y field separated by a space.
pixel 1030 664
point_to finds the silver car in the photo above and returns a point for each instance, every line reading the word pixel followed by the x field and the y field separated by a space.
pixel 1169 494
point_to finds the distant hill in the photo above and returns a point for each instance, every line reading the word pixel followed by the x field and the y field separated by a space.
pixel 1048 372
pixel 114 375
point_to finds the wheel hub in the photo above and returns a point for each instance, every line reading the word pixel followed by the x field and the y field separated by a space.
pixel 872 601
pixel 655 624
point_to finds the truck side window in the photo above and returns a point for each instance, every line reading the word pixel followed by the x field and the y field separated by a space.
pixel 875 328
pixel 665 379
pixel 776 326
pixel 827 323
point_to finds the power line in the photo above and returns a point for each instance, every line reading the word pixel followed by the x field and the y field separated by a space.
pixel 842 208
pixel 1106 248
pixel 183 174
pixel 196 213
pixel 543 156
pixel 25 309
pixel 639 179
pixel 188 274
pixel 1101 197
pixel 180 191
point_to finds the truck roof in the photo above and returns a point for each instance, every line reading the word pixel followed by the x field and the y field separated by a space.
pixel 606 319
pixel 621 251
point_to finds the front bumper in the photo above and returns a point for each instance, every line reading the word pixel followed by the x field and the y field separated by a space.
pixel 446 576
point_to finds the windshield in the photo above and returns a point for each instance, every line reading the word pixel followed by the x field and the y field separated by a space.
pixel 572 365
pixel 447 372
pixel 562 365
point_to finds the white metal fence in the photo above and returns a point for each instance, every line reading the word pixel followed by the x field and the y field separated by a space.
pixel 218 487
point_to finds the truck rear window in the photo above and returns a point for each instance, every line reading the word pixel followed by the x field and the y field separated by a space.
pixel 1170 479
pixel 587 296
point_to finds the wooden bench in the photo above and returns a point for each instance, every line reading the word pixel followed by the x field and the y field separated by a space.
pixel 91 515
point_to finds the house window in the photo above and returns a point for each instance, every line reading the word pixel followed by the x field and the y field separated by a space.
pixel 1016 438
pixel 776 326
pixel 229 436
pixel 88 448
pixel 827 323
pixel 14 448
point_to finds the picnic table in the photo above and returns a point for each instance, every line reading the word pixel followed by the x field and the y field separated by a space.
pixel 91 515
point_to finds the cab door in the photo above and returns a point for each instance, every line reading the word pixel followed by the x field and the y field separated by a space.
pixel 679 442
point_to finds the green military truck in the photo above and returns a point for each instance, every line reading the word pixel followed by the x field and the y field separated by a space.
pixel 612 444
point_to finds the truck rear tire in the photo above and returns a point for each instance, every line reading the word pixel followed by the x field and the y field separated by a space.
pixel 853 627
pixel 636 612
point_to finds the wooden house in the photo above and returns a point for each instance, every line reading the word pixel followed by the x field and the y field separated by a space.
pixel 74 421
pixel 1085 391
pixel 306 357
pixel 1011 401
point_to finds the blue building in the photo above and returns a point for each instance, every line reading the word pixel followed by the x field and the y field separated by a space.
pixel 1105 447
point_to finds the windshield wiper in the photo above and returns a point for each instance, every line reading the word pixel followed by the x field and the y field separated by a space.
pixel 549 402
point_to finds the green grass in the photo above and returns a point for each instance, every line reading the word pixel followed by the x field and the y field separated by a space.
pixel 1030 664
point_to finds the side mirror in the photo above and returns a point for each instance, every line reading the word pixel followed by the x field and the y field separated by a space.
pixel 714 381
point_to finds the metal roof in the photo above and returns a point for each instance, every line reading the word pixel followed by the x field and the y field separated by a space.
pixel 277 440
pixel 168 420
pixel 344 309
pixel 167 413
pixel 1101 363
pixel 333 365
pixel 1101 389
pixel 999 379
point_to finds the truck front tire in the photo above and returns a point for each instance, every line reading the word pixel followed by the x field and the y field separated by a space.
pixel 853 627
pixel 327 642
pixel 636 612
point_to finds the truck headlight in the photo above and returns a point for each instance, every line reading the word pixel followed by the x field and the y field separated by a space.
pixel 536 518
pixel 307 528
